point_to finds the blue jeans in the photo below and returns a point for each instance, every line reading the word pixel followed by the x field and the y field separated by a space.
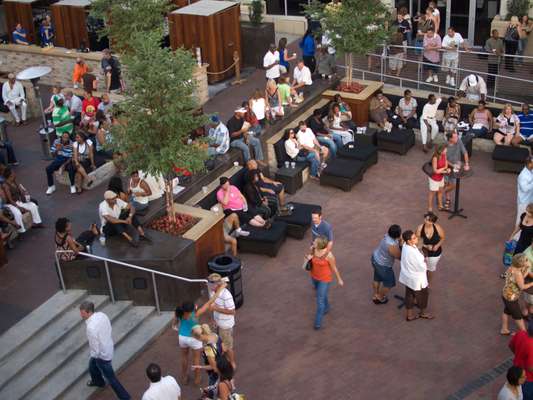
pixel 311 158
pixel 527 390
pixel 11 158
pixel 322 304
pixel 100 369
pixel 55 165
pixel 330 144
pixel 252 141
pixel 481 132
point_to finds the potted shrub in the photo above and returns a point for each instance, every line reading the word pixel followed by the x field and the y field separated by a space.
pixel 256 35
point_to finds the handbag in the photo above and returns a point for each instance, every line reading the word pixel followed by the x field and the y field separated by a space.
pixel 307 265
pixel 428 169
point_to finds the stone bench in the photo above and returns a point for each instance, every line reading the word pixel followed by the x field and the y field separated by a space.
pixel 100 174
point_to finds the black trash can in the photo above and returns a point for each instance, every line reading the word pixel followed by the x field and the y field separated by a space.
pixel 228 266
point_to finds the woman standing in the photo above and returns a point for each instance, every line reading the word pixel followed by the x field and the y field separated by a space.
pixel 83 160
pixel 187 316
pixel 508 126
pixel 323 267
pixel 526 26
pixel 512 37
pixel 512 389
pixel 513 287
pixel 526 230
pixel 432 235
pixel 273 96
pixel 413 274
pixel 439 164
pixel 18 198
pixel 284 57
pixel 308 49
pixel 297 153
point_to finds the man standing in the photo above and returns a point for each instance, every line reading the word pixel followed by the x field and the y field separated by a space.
pixel 428 122
pixel 455 153
pixel 13 95
pixel 521 345
pixel 450 59
pixel 238 131
pixel 223 313
pixel 161 388
pixel 382 261
pixel 75 106
pixel 526 127
pixel 101 350
pixel 111 70
pixel 217 137
pixel 495 47
pixel 473 87
pixel 319 227
pixel 271 63
pixel 524 185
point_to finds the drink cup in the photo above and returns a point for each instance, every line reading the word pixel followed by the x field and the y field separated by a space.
pixel 287 164
pixel 293 165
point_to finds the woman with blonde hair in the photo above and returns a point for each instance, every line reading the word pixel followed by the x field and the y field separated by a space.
pixel 511 39
pixel 273 98
pixel 439 164
pixel 513 287
pixel 508 126
pixel 322 266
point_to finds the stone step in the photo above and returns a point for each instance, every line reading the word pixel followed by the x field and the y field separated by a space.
pixel 45 339
pixel 132 346
pixel 73 374
pixel 37 320
pixel 41 368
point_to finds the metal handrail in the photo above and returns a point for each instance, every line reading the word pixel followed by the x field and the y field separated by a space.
pixel 123 264
pixel 475 52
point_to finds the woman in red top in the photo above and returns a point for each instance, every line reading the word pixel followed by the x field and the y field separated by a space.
pixel 323 266
pixel 439 163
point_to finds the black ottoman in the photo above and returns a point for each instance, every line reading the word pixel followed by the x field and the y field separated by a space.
pixel 342 173
pixel 300 219
pixel 369 137
pixel 397 141
pixel 291 177
pixel 263 241
pixel 355 151
pixel 509 158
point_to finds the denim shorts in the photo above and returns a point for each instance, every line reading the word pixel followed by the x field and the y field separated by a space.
pixel 383 274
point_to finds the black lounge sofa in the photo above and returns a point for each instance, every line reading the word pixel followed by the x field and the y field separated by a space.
pixel 342 173
pixel 397 141
pixel 509 158
pixel 300 220
pixel 360 151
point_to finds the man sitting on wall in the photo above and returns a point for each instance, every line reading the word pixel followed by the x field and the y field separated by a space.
pixel 80 69
pixel 238 131
pixel 20 36
pixel 302 78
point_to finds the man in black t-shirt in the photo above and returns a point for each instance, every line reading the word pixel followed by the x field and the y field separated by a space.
pixel 111 69
pixel 322 135
pixel 238 133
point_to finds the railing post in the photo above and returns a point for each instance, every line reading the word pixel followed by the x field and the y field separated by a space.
pixel 61 280
pixel 156 295
pixel 111 294
pixel 420 75
pixel 383 58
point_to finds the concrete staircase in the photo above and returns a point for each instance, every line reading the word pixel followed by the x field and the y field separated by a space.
pixel 45 356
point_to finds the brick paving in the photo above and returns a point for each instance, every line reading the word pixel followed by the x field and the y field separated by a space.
pixel 363 350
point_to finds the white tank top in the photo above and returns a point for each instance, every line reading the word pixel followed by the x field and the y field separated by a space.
pixel 137 189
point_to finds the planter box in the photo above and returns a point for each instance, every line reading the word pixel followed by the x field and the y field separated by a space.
pixel 256 40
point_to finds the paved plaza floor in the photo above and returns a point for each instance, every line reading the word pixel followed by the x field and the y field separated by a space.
pixel 368 351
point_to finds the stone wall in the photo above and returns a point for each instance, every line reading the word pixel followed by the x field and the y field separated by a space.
pixel 15 58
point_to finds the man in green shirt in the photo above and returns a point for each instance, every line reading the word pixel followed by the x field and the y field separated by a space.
pixel 495 47
pixel 285 91
pixel 61 118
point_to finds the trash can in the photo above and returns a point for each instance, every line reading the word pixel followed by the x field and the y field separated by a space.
pixel 230 267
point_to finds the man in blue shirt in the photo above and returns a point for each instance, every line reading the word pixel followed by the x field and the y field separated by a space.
pixel 319 227
pixel 526 127
pixel 20 36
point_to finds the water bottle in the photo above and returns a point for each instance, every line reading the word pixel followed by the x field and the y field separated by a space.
pixel 102 240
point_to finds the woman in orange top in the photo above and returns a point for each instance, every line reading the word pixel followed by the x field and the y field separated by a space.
pixel 323 266
pixel 80 69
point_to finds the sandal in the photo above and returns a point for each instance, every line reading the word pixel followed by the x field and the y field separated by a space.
pixel 448 203
pixel 426 316
pixel 411 319
pixel 505 333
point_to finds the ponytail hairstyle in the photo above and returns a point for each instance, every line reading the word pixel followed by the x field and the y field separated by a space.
pixel 186 307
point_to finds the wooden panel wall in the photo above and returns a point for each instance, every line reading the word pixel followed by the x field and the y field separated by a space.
pixel 218 35
pixel 70 25
pixel 19 12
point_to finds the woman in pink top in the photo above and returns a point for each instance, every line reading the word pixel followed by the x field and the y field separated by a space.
pixel 439 162
pixel 233 201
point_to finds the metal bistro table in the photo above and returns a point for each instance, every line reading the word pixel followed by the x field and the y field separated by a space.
pixel 457 211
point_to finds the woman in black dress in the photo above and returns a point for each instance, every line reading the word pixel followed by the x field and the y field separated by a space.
pixel 526 230
pixel 432 236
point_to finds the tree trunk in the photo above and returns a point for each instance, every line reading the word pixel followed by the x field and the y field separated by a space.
pixel 169 200
pixel 350 69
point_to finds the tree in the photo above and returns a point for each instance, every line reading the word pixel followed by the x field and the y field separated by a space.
pixel 354 26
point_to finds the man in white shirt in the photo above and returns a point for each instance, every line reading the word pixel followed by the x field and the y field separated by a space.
pixel 450 59
pixel 307 139
pixel 161 388
pixel 217 137
pixel 302 76
pixel 223 313
pixel 413 274
pixel 524 185
pixel 271 63
pixel 428 121
pixel 116 216
pixel 473 87
pixel 14 96
pixel 74 105
pixel 98 329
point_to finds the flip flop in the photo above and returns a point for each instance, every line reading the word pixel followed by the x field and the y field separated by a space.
pixel 506 333
pixel 412 319
pixel 426 316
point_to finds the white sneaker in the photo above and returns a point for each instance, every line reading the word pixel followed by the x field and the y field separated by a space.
pixel 50 190
pixel 447 79
pixel 324 165
pixel 435 78
pixel 73 190
pixel 240 232
pixel 429 79
pixel 452 82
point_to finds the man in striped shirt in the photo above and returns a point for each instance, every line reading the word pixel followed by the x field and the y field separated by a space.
pixel 526 127
pixel 62 151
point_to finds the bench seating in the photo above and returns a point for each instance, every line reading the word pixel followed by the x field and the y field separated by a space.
pixel 100 175
pixel 509 158
pixel 342 173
